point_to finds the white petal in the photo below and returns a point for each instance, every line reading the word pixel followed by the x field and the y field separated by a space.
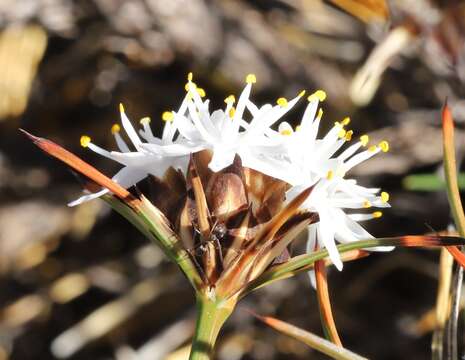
pixel 130 130
pixel 325 235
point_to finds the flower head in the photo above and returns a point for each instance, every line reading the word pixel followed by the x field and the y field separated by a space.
pixel 302 158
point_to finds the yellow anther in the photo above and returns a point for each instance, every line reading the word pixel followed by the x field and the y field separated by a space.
pixel 232 111
pixel 167 116
pixel 302 93
pixel 341 134
pixel 366 204
pixel 298 127
pixel 372 148
pixel 282 102
pixel 251 79
pixel 85 140
pixel 320 114
pixel 384 197
pixel 337 123
pixel 346 121
pixel 145 120
pixel 286 132
pixel 115 129
pixel 231 99
pixel 317 95
pixel 384 146
pixel 377 214
pixel 121 107
pixel 190 85
pixel 349 135
pixel 330 175
pixel 364 140
pixel 190 76
pixel 201 92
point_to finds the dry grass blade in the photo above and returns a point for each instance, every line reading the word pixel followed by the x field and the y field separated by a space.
pixel 82 167
pixel 442 303
pixel 452 343
pixel 312 340
pixel 324 303
pixel 365 10
pixel 450 169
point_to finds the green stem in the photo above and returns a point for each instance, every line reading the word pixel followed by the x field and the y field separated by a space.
pixel 211 315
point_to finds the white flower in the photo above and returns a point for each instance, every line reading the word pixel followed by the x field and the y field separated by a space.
pixel 332 195
pixel 193 128
pixel 137 164
pixel 298 157
pixel 226 133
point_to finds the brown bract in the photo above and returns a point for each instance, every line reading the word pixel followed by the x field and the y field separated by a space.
pixel 234 222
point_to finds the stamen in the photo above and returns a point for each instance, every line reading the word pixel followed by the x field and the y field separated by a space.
pixel 364 140
pixel 121 108
pixel 320 114
pixel 349 135
pixel 384 197
pixel 190 76
pixel 85 141
pixel 341 134
pixel 317 95
pixel 298 128
pixel 330 175
pixel 231 99
pixel 302 93
pixel 251 79
pixel 366 204
pixel 282 102
pixel 384 145
pixel 346 121
pixel 145 120
pixel 167 116
pixel 190 85
pixel 285 132
pixel 115 129
pixel 377 214
pixel 372 148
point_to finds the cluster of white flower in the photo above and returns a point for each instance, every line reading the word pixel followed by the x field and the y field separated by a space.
pixel 297 156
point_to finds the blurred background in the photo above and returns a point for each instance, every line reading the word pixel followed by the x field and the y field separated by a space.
pixel 81 283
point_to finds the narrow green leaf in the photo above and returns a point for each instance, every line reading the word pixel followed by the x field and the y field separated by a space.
pixel 429 182
pixel 312 340
pixel 305 262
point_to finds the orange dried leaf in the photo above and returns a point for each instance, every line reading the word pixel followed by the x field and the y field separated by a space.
pixel 81 166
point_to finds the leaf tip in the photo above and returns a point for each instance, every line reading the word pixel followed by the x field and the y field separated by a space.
pixel 33 138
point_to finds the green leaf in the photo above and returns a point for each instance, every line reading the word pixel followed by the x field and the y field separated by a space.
pixel 429 182
pixel 312 340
